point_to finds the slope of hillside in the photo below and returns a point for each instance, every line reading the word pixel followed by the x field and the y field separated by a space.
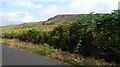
pixel 65 17
pixel 56 19
pixel 61 18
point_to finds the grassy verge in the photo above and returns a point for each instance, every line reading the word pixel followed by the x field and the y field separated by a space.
pixel 49 52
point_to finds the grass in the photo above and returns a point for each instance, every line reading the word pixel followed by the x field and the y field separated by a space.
pixel 45 28
pixel 20 29
pixel 76 64
pixel 49 52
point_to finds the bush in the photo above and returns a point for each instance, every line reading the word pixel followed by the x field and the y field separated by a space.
pixel 47 49
pixel 32 35
pixel 93 35
pixel 8 35
pixel 108 38
pixel 100 37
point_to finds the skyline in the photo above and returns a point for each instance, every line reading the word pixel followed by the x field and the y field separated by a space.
pixel 21 11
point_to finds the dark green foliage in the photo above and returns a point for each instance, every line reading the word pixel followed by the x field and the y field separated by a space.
pixel 8 35
pixel 93 35
pixel 32 35
pixel 108 36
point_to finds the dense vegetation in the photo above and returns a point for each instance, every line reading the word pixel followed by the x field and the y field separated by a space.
pixel 92 35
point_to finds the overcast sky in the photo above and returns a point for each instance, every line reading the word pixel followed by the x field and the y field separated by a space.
pixel 20 11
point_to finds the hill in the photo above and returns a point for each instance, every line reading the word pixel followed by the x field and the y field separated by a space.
pixel 61 18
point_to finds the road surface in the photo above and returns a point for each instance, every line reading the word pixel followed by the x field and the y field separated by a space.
pixel 12 56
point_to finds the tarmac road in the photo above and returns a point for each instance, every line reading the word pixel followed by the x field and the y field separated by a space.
pixel 12 56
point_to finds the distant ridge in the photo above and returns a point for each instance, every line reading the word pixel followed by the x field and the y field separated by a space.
pixel 61 18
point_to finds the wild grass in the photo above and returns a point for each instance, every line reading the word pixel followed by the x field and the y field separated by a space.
pixel 45 28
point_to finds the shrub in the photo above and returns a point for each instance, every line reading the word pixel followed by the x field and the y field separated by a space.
pixel 32 35
pixel 8 35
pixel 108 38
pixel 47 49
